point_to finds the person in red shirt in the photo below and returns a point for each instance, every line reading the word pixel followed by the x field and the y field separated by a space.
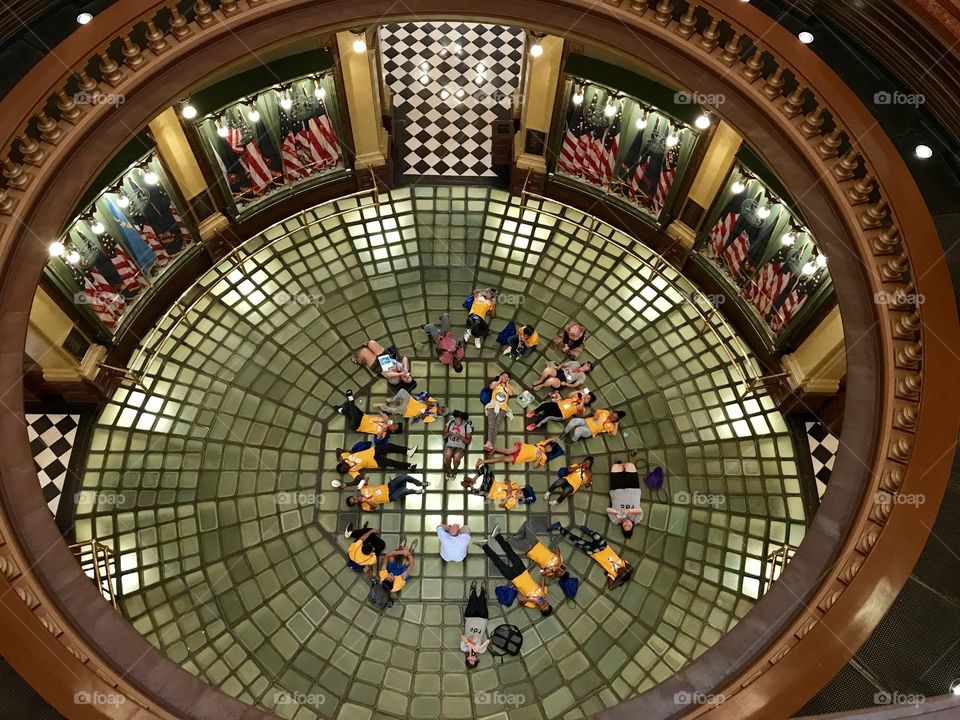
pixel 449 350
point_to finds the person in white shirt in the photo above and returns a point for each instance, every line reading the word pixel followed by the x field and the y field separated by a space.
pixel 625 497
pixel 454 541
pixel 474 642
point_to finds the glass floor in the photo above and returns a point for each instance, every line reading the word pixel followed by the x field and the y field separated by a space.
pixel 213 481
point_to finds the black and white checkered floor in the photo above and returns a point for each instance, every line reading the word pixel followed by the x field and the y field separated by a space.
pixel 51 440
pixel 450 81
pixel 823 451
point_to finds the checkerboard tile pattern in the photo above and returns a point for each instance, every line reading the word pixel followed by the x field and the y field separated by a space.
pixel 450 81
pixel 51 440
pixel 823 451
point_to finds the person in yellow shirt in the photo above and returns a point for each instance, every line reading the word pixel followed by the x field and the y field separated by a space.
pixel 532 594
pixel 498 409
pixel 416 408
pixel 618 570
pixel 519 340
pixel 560 408
pixel 526 541
pixel 366 455
pixel 364 551
pixel 370 497
pixel 358 421
pixel 602 421
pixel 570 479
pixel 521 453
pixel 482 309
pixel 506 495
pixel 395 567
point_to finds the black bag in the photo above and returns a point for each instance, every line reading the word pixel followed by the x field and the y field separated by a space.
pixel 379 596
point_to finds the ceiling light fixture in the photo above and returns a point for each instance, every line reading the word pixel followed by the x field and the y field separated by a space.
pixel 738 187
pixel 319 92
pixel 73 258
pixel 642 121
pixel 150 177
pixel 788 239
pixel 84 17
pixel 96 226
pixel 253 115
pixel 702 122
pixel 187 111
pixel 672 139
pixel 805 37
pixel 577 97
pixel 286 102
pixel 122 200
pixel 536 49
pixel 763 213
pixel 923 152
pixel 222 130
pixel 56 249
pixel 359 41
pixel 610 109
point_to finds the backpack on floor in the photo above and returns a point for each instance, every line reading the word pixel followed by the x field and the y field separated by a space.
pixel 506 594
pixel 379 596
pixel 468 303
pixel 361 446
pixel 569 585
pixel 529 495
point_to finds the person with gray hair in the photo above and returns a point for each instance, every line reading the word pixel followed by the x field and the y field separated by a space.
pixel 454 541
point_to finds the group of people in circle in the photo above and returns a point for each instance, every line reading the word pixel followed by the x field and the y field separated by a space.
pixel 568 402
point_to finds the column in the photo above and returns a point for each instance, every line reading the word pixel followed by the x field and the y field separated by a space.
pixel 360 84
pixel 178 157
pixel 820 363
pixel 48 330
pixel 536 113
pixel 709 180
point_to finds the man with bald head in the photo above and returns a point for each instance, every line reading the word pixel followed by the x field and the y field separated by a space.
pixel 454 541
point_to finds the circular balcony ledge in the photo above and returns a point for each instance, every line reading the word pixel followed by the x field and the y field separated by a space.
pixel 849 182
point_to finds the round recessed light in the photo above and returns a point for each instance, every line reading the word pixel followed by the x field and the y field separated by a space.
pixel 84 17
pixel 460 93
pixel 189 112
pixel 480 67
pixel 424 65
pixel 923 151
pixel 702 122
pixel 444 94
pixel 424 78
pixel 536 49
pixel 806 37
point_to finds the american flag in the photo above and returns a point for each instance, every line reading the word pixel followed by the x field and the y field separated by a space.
pixel 150 236
pixel 181 225
pixel 107 304
pixel 293 165
pixel 791 306
pixel 249 156
pixel 768 284
pixel 584 153
pixel 131 278
pixel 736 253
pixel 720 232
pixel 667 175
pixel 575 127
pixel 611 142
pixel 323 136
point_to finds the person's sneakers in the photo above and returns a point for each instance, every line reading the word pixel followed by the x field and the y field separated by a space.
pixel 531 427
pixel 466 336
pixel 554 527
pixel 495 531
pixel 555 501
pixel 413 545
pixel 349 531
pixel 481 541
pixel 338 409
pixel 336 483
pixel 350 395
pixel 412 467
pixel 506 351
pixel 419 491
pixel 425 484
pixel 403 541
pixel 412 450
pixel 546 497
pixel 531 414
pixel 478 342
pixel 361 483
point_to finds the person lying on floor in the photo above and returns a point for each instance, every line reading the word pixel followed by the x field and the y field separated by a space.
pixel 569 373
pixel 395 567
pixel 364 552
pixel 537 453
pixel 570 479
pixel 358 421
pixel 473 642
pixel 625 497
pixel 449 350
pixel 419 407
pixel 560 408
pixel 550 562
pixel 506 495
pixel 592 543
pixel 394 368
pixel 366 455
pixel 370 497
pixel 532 594
pixel 602 421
